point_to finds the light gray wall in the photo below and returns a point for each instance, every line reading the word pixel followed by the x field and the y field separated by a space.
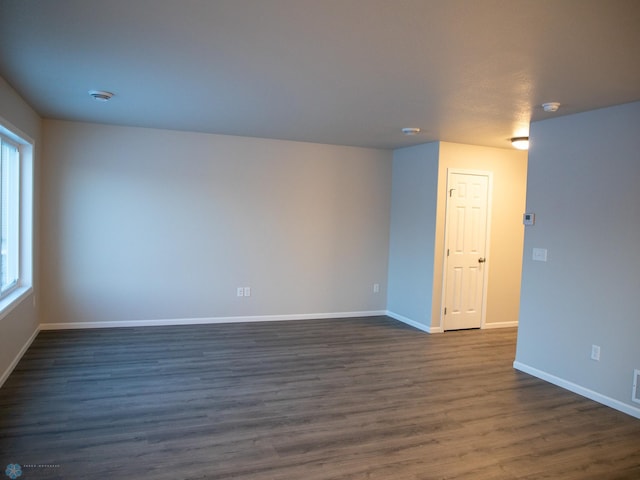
pixel 21 323
pixel 412 233
pixel 143 224
pixel 583 185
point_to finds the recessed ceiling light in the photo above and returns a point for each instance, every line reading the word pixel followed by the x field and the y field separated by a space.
pixel 521 143
pixel 100 95
pixel 411 130
pixel 551 106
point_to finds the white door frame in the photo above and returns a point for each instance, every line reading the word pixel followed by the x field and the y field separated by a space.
pixel 445 263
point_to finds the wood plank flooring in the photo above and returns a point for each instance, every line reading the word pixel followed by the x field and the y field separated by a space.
pixel 347 399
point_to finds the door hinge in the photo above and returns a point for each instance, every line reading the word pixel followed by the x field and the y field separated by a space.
pixel 445 310
pixel 447 252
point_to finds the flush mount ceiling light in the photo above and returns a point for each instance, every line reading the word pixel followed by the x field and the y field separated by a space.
pixel 521 143
pixel 411 131
pixel 551 106
pixel 100 95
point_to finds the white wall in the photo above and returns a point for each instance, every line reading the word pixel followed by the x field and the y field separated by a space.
pixel 583 185
pixel 143 224
pixel 19 326
pixel 413 223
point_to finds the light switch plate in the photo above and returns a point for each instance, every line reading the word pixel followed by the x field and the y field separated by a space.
pixel 540 254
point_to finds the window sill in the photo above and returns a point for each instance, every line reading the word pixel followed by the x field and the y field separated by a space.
pixel 14 299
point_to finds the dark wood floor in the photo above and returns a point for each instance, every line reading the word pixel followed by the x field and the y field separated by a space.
pixel 311 400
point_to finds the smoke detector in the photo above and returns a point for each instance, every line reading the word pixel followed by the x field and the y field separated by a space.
pixel 100 95
pixel 411 130
pixel 551 106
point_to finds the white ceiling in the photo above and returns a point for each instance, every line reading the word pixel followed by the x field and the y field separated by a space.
pixel 348 72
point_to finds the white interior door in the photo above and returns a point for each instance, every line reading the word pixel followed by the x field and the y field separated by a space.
pixel 465 252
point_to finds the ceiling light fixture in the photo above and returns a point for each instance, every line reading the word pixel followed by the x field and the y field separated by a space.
pixel 551 106
pixel 101 96
pixel 411 131
pixel 521 143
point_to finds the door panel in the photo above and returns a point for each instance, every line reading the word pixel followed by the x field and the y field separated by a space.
pixel 466 235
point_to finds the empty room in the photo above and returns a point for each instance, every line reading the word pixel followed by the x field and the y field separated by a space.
pixel 320 240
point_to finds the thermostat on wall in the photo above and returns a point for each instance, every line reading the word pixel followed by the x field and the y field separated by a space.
pixel 529 218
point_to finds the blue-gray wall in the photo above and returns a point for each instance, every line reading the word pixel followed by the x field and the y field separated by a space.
pixel 412 234
pixel 584 187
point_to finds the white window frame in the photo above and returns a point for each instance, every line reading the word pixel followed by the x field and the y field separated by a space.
pixel 24 286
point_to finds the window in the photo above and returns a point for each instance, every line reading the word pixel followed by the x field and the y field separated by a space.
pixel 9 215
pixel 16 217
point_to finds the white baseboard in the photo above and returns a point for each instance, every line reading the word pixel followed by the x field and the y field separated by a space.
pixel 580 390
pixel 413 323
pixel 487 326
pixel 15 361
pixel 208 320
pixel 429 329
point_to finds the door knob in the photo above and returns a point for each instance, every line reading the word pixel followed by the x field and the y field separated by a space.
pixel 482 260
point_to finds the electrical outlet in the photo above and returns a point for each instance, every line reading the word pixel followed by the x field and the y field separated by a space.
pixel 247 291
pixel 595 352
pixel 376 288
pixel 240 292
